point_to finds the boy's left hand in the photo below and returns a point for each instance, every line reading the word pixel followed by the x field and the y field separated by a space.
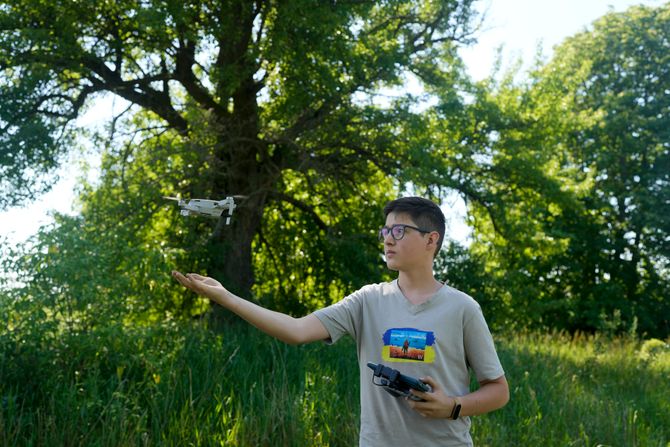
pixel 437 404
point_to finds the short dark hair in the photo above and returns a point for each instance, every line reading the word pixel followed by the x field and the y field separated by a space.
pixel 425 214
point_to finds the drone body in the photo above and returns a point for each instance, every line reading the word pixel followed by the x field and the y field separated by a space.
pixel 205 207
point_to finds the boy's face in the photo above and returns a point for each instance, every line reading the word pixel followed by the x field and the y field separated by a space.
pixel 412 250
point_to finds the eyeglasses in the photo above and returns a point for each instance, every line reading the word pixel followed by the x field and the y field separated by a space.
pixel 397 231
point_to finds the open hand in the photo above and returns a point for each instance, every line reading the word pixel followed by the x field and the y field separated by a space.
pixel 437 404
pixel 202 285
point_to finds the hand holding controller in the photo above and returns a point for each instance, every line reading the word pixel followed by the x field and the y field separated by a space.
pixel 397 384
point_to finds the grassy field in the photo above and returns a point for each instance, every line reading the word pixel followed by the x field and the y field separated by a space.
pixel 581 391
pixel 175 385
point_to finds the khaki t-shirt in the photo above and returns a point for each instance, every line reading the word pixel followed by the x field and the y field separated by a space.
pixel 440 338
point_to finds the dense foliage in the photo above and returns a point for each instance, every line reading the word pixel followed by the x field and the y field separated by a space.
pixel 565 173
pixel 276 102
pixel 572 173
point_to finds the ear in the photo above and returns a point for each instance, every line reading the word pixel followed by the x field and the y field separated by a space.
pixel 433 239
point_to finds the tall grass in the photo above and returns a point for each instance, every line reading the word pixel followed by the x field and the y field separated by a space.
pixel 581 391
pixel 188 385
pixel 177 386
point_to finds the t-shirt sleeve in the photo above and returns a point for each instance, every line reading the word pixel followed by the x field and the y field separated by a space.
pixel 342 317
pixel 479 347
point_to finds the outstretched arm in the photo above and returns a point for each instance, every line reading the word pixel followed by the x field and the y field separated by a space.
pixel 290 330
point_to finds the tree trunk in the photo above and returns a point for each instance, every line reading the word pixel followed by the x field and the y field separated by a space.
pixel 244 171
pixel 230 258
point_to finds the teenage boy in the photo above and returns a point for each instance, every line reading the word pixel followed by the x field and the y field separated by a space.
pixel 444 329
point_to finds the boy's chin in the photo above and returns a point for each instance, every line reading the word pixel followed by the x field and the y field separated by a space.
pixel 392 265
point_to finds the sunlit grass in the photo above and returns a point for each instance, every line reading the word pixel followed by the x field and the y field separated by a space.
pixel 176 385
pixel 581 391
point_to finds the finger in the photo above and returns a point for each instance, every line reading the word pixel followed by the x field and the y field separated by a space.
pixel 178 276
pixel 419 394
pixel 424 405
pixel 184 280
pixel 416 406
pixel 197 280
pixel 432 382
pixel 193 278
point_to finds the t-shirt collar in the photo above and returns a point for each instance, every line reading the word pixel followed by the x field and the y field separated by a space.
pixel 416 308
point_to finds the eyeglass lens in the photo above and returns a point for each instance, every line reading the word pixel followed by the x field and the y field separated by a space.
pixel 397 231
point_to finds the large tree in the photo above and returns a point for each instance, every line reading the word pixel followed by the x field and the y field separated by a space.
pixel 272 100
pixel 622 69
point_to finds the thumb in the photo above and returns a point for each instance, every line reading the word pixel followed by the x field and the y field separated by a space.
pixel 430 381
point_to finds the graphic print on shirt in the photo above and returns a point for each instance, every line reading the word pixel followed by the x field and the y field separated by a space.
pixel 408 345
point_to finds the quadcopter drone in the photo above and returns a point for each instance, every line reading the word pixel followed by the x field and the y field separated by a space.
pixel 205 207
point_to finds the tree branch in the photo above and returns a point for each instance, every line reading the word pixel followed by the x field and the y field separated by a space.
pixel 147 97
pixel 301 206
pixel 185 59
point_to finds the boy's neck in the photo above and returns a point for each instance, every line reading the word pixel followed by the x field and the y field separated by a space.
pixel 418 286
